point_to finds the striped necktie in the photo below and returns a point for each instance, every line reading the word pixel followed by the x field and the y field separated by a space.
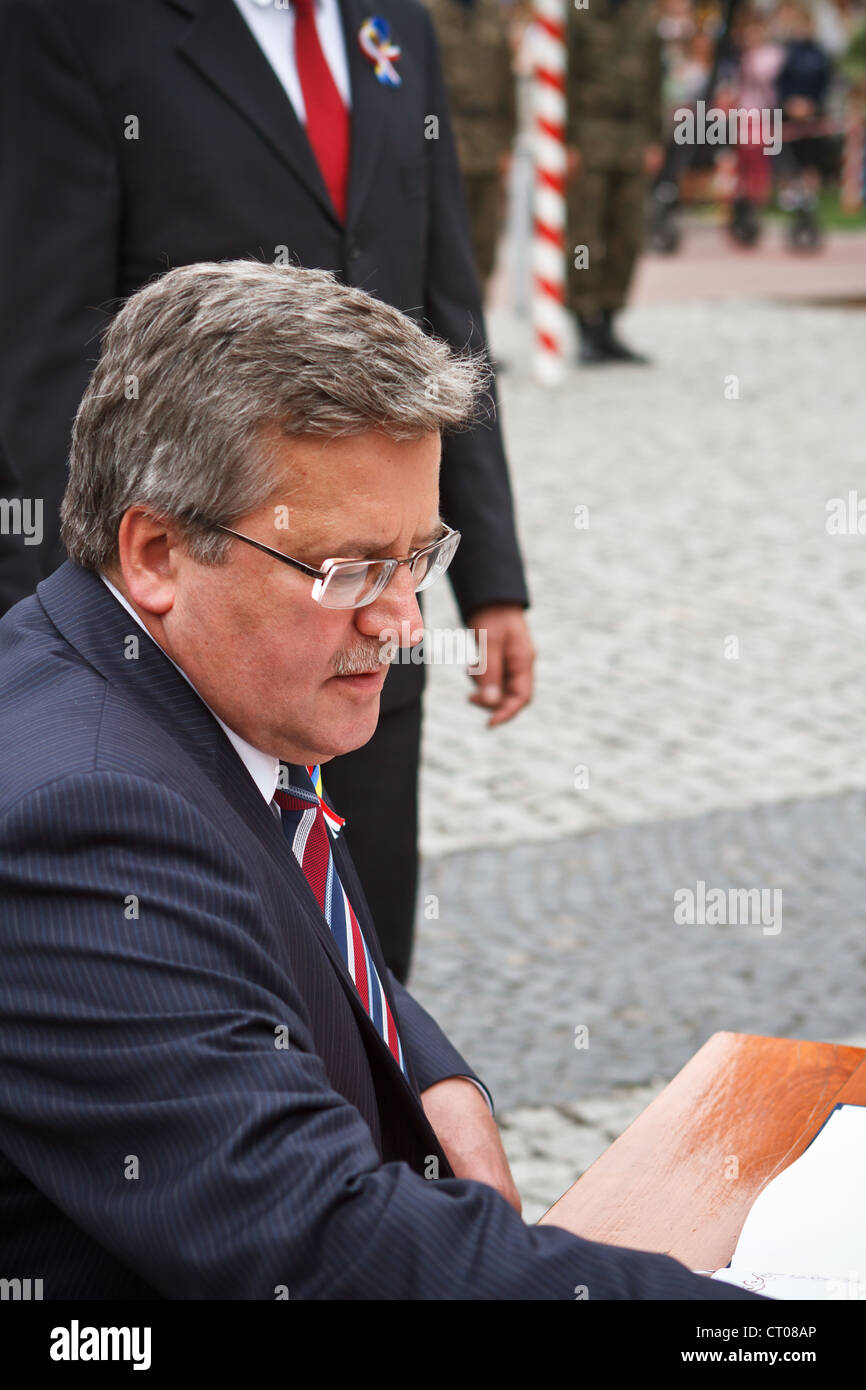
pixel 308 825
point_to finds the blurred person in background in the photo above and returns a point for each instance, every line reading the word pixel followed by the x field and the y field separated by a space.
pixel 853 62
pixel 836 23
pixel 615 134
pixel 802 87
pixel 753 88
pixel 676 21
pixel 687 55
pixel 852 66
pixel 688 59
pixel 475 42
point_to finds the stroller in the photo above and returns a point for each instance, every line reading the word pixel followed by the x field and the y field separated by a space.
pixel 802 159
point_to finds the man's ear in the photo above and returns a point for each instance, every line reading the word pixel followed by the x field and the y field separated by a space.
pixel 148 548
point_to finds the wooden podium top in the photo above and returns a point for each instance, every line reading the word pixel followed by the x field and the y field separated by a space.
pixel 683 1176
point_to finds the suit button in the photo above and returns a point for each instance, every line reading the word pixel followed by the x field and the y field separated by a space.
pixel 354 251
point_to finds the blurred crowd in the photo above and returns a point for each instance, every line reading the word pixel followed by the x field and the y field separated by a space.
pixel 632 66
pixel 804 60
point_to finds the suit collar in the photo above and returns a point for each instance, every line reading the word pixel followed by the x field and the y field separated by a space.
pixel 263 768
pixel 90 619
pixel 220 46
pixel 371 104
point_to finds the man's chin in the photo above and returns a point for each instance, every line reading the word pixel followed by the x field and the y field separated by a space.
pixel 343 735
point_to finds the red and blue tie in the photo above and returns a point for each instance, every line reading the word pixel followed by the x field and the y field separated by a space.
pixel 308 825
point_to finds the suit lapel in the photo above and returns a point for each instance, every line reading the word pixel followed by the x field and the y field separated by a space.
pixel 220 46
pixel 94 623
pixel 246 799
pixel 371 104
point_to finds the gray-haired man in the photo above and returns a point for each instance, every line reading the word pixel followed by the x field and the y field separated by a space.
pixel 144 136
pixel 192 983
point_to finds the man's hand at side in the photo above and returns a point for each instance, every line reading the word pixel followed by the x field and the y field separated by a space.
pixel 469 1135
pixel 505 686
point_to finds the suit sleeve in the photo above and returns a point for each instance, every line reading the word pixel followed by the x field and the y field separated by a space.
pixel 145 1093
pixel 59 219
pixel 434 1058
pixel 474 484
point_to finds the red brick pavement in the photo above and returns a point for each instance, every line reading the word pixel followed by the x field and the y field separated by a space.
pixel 710 266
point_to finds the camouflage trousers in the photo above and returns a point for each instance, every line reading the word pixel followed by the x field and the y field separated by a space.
pixel 606 216
pixel 486 205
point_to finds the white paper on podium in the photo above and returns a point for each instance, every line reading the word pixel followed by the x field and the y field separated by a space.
pixel 809 1223
pixel 791 1285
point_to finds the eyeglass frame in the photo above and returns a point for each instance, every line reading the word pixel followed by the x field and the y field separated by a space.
pixel 327 567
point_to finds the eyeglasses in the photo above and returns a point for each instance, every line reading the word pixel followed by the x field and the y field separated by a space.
pixel 342 583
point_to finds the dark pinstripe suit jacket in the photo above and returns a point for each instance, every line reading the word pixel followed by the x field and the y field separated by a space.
pixel 158 939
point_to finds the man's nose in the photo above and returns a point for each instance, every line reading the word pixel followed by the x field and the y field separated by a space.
pixel 394 614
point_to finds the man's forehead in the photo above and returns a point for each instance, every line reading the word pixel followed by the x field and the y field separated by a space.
pixel 343 533
pixel 337 494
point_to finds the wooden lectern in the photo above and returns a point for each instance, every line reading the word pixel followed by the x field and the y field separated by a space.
pixel 683 1176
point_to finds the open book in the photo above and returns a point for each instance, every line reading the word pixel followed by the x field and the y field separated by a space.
pixel 805 1236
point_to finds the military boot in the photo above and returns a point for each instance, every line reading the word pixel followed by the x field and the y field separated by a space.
pixel 592 330
pixel 614 348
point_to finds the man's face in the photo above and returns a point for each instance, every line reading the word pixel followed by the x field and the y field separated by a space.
pixel 262 653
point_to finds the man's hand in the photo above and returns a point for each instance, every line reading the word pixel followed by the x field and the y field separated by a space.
pixel 505 686
pixel 469 1135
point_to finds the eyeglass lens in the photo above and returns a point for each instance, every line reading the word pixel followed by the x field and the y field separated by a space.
pixel 351 585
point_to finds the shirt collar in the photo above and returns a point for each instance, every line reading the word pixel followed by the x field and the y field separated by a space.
pixel 262 767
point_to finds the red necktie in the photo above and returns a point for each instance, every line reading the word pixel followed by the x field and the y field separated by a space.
pixel 327 117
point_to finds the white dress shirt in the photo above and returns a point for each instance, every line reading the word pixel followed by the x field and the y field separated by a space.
pixel 273 27
pixel 262 767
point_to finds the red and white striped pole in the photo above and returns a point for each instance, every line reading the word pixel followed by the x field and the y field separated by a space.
pixel 549 318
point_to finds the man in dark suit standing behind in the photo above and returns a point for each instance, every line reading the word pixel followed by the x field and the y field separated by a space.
pixel 155 133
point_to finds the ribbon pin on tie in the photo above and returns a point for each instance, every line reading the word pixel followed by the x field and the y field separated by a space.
pixel 374 37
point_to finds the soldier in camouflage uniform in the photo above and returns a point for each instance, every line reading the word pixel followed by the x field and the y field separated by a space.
pixel 614 134
pixel 476 57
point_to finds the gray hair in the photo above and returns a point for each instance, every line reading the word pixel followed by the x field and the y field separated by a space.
pixel 200 361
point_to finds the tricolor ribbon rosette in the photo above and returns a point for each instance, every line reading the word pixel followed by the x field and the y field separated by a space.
pixel 332 820
pixel 374 36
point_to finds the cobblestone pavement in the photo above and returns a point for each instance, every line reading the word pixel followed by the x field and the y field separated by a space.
pixel 581 932
pixel 699 716
pixel 707 522
pixel 535 942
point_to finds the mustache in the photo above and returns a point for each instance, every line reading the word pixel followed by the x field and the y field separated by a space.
pixel 360 660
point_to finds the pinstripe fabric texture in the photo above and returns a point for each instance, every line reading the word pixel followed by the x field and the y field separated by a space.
pixel 193 1101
